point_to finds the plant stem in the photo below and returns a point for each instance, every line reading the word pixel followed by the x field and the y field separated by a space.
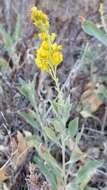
pixel 63 161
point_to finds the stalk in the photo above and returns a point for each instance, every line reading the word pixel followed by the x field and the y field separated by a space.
pixel 63 161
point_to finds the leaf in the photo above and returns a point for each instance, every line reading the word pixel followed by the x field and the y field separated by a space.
pixel 51 134
pixel 91 188
pixel 79 135
pixel 30 118
pixel 47 172
pixel 76 155
pixel 57 125
pixel 4 65
pixel 8 42
pixel 91 29
pixel 44 152
pixel 61 109
pixel 47 163
pixel 101 92
pixel 17 32
pixel 73 186
pixel 73 127
pixel 86 172
pixel 28 90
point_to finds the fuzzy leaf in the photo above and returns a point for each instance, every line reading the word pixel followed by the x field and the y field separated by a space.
pixel 8 41
pixel 73 186
pixel 17 32
pixel 73 127
pixel 44 153
pixel 101 92
pixel 28 90
pixel 57 125
pixel 47 171
pixel 90 28
pixel 29 118
pixel 86 172
pixel 51 134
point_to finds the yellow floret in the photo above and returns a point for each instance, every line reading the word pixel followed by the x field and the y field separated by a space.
pixel 49 55
pixel 56 47
pixel 43 36
pixel 40 19
pixel 53 37
pixel 45 45
pixel 43 65
pixel 42 53
pixel 57 58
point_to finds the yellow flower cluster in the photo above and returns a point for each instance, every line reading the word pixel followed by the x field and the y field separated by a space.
pixel 40 19
pixel 49 55
pixel 45 36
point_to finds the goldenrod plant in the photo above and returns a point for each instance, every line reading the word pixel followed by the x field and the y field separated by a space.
pixel 54 132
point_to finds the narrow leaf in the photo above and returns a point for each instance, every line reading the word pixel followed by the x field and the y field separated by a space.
pixel 30 119
pixel 47 172
pixel 8 42
pixel 73 127
pixel 86 172
pixel 73 186
pixel 57 124
pixel 17 32
pixel 51 134
pixel 90 28
pixel 44 153
pixel 28 90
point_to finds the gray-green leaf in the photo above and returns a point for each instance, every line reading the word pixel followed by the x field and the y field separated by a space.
pixel 86 172
pixel 73 127
pixel 90 28
pixel 51 134
pixel 30 119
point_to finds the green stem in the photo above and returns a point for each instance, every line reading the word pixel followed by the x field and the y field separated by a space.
pixel 63 161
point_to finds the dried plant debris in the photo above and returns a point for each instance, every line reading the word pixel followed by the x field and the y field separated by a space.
pixel 17 150
pixel 3 174
pixel 35 180
pixel 89 99
pixel 20 150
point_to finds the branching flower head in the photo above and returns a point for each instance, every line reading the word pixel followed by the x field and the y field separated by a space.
pixel 40 19
pixel 49 55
